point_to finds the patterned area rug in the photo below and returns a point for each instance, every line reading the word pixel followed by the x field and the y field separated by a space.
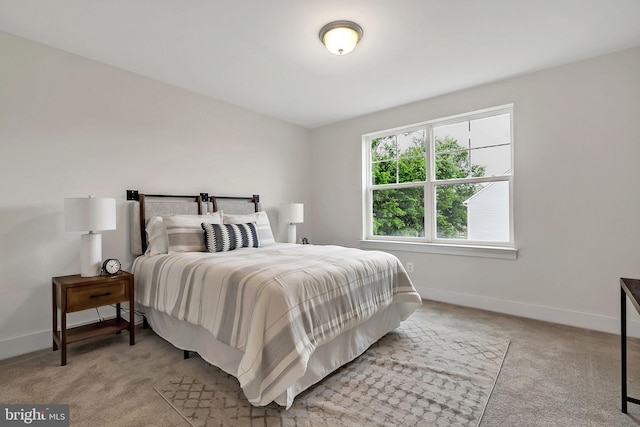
pixel 419 374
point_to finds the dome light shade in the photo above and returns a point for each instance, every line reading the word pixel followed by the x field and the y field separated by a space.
pixel 341 37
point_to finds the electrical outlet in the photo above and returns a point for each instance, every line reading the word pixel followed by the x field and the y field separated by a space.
pixel 409 267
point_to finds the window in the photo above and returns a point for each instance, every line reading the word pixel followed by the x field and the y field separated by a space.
pixel 442 181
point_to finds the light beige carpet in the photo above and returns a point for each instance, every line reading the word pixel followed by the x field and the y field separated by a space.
pixel 420 374
pixel 553 375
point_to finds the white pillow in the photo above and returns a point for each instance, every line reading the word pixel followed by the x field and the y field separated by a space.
pixel 185 233
pixel 156 236
pixel 265 235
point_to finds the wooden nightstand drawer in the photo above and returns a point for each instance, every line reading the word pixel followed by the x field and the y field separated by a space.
pixel 83 297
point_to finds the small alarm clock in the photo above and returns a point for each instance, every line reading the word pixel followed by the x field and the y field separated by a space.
pixel 111 266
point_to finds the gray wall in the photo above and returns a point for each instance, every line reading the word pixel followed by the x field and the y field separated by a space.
pixel 71 127
pixel 577 201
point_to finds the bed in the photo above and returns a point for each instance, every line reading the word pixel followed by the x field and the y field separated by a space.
pixel 277 316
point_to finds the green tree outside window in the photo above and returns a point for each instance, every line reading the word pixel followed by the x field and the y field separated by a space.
pixel 400 212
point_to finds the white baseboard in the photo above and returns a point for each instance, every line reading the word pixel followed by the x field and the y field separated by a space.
pixel 37 341
pixel 25 344
pixel 42 340
pixel 578 319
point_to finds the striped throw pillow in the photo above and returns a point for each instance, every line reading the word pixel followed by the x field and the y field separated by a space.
pixel 184 233
pixel 227 237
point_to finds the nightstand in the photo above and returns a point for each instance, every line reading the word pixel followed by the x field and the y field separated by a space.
pixel 75 293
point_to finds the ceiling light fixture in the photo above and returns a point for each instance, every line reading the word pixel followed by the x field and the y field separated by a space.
pixel 340 37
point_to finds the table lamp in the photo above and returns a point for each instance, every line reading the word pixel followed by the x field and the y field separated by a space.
pixel 90 214
pixel 292 214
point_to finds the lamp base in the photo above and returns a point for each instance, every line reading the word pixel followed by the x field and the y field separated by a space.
pixel 90 254
pixel 291 233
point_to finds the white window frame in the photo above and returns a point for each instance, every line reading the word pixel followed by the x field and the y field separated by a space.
pixel 430 243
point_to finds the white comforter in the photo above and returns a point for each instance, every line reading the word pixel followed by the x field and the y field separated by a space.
pixel 275 304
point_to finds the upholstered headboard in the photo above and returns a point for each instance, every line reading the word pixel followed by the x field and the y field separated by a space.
pixel 145 206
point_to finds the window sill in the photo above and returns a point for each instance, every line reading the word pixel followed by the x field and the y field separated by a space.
pixel 443 249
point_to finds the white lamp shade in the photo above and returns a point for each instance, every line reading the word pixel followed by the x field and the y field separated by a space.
pixel 341 41
pixel 292 213
pixel 89 214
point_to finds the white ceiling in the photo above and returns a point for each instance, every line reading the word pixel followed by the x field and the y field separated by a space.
pixel 265 55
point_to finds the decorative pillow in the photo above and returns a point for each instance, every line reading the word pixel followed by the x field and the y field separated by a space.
pixel 156 236
pixel 262 225
pixel 184 233
pixel 227 237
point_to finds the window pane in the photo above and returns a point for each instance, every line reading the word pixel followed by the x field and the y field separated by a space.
pixel 452 159
pixel 491 145
pixel 491 161
pixel 488 131
pixel 411 144
pixel 398 212
pixel 488 213
pixel 384 172
pixel 458 132
pixel 480 147
pixel 478 212
pixel 412 164
pixel 399 158
pixel 383 148
pixel 412 169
